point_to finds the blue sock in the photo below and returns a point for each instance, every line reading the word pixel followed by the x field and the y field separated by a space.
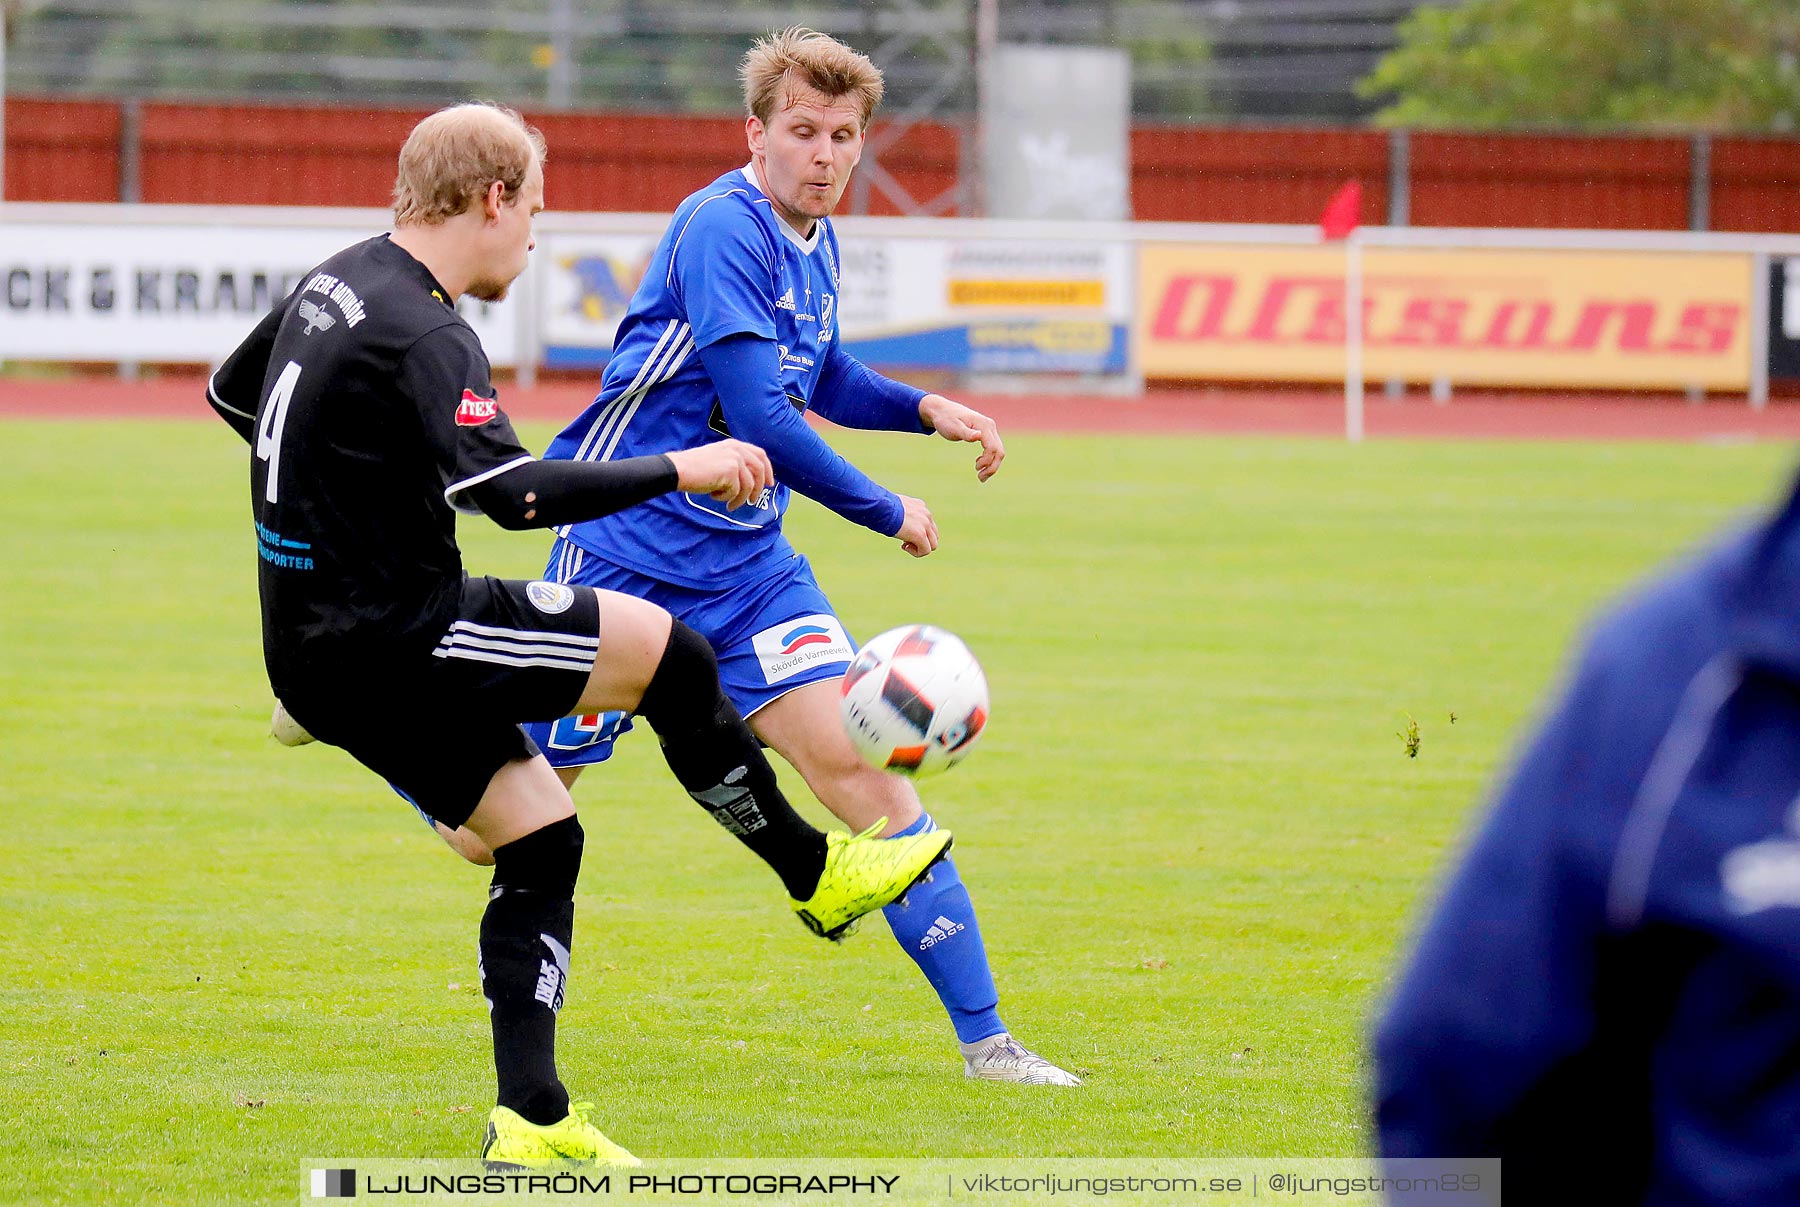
pixel 935 925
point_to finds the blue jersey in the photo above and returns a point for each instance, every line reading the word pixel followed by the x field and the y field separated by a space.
pixel 727 266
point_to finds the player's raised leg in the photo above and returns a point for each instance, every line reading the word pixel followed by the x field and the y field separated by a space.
pixel 832 879
pixel 662 670
pixel 659 668
pixel 934 922
pixel 647 663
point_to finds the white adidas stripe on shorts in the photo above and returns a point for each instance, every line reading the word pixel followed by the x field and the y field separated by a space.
pixel 518 647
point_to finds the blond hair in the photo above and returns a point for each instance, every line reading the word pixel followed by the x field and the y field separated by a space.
pixel 808 57
pixel 450 159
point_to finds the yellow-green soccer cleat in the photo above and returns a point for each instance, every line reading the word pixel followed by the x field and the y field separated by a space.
pixel 515 1143
pixel 863 873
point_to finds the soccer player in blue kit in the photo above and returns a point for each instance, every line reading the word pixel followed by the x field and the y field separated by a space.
pixel 733 333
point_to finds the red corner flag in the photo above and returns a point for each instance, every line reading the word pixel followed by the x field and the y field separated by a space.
pixel 1343 213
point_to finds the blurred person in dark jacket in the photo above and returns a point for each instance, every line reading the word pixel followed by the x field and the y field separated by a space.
pixel 1607 997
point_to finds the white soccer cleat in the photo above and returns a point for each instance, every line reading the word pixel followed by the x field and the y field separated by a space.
pixel 1003 1058
pixel 285 729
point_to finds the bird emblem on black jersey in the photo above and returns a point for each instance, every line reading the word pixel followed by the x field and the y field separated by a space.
pixel 315 316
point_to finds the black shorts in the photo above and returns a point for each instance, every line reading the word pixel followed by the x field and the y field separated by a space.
pixel 438 727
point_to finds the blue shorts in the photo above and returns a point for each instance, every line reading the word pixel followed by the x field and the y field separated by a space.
pixel 771 635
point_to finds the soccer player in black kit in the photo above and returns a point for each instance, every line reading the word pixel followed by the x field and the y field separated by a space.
pixel 368 406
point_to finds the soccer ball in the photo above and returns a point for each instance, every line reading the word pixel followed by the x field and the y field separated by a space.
pixel 914 700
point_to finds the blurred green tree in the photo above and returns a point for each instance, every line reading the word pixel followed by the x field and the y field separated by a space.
pixel 1721 65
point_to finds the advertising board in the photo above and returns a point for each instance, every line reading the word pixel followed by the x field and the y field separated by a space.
pixel 988 305
pixel 1784 318
pixel 108 291
pixel 1473 316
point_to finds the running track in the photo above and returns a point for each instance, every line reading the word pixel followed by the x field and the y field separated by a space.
pixel 1271 412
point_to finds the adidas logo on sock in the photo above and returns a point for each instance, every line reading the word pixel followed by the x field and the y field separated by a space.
pixel 786 300
pixel 940 930
pixel 552 976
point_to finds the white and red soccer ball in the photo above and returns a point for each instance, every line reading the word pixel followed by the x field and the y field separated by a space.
pixel 915 700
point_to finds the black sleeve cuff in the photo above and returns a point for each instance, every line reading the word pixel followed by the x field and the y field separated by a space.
pixel 549 494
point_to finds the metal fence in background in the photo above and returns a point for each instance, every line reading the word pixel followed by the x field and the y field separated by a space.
pixel 1192 60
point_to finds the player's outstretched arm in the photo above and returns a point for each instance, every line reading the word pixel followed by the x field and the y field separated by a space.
pixel 851 394
pixel 746 371
pixel 548 494
pixel 731 471
pixel 918 533
pixel 954 421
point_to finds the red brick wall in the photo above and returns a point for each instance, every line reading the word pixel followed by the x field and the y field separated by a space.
pixel 1756 185
pixel 252 155
pixel 649 162
pixel 1549 181
pixel 245 154
pixel 61 150
pixel 273 155
pixel 1197 174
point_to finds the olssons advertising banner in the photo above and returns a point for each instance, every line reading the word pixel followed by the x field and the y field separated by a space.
pixel 1474 317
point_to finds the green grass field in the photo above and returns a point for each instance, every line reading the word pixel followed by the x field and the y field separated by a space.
pixel 1192 831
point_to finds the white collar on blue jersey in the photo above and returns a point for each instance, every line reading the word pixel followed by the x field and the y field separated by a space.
pixel 806 245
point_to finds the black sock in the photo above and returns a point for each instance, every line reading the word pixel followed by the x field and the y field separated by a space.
pixel 525 937
pixel 720 763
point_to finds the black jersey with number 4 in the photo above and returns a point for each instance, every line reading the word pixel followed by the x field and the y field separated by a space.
pixel 368 406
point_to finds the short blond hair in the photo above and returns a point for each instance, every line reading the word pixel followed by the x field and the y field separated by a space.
pixel 808 57
pixel 450 159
